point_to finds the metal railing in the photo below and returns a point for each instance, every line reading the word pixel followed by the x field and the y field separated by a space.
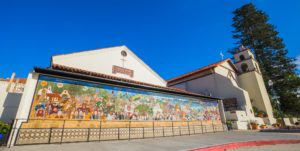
pixel 111 130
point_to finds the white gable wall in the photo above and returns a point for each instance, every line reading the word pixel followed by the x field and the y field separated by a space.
pixel 223 83
pixel 226 70
pixel 203 85
pixel 182 86
pixel 102 61
pixel 224 74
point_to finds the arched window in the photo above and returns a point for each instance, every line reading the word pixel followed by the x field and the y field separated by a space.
pixel 242 57
pixel 244 67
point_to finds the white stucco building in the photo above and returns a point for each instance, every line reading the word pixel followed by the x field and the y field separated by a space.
pixel 11 91
pixel 103 60
pixel 239 84
pixel 117 69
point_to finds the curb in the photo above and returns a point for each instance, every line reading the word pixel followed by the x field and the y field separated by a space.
pixel 281 130
pixel 236 145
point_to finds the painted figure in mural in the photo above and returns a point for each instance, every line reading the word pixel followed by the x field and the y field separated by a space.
pixel 42 95
pixel 157 111
pixel 40 110
pixel 54 107
pixel 129 108
pixel 100 104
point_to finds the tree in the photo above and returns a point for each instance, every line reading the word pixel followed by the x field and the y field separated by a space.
pixel 251 29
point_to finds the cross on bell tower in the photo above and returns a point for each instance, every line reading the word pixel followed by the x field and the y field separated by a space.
pixel 222 55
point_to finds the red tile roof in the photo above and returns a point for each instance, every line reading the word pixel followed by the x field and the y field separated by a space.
pixel 211 66
pixel 21 80
pixel 96 74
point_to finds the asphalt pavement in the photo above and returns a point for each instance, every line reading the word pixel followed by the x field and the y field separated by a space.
pixel 161 144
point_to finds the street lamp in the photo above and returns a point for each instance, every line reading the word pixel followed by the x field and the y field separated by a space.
pixel 275 97
pixel 270 82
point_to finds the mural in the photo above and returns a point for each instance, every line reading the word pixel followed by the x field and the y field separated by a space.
pixel 57 98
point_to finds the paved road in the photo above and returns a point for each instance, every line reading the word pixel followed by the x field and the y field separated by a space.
pixel 160 144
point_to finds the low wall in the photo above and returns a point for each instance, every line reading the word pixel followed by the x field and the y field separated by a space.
pixel 47 123
pixel 61 131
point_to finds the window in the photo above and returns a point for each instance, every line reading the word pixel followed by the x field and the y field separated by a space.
pixel 242 57
pixel 244 67
pixel 123 53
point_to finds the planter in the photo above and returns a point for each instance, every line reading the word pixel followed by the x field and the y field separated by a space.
pixel 261 115
pixel 276 125
pixel 254 126
pixel 263 126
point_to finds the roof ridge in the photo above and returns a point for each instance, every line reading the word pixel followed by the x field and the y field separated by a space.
pixel 21 80
pixel 80 51
pixel 123 47
pixel 198 70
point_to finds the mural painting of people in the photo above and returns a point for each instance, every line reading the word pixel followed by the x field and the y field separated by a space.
pixel 57 98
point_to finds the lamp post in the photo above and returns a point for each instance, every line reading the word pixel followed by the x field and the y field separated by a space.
pixel 275 97
pixel 270 82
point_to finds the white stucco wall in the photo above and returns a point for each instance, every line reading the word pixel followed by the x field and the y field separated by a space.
pixel 222 111
pixel 222 84
pixel 246 54
pixel 181 86
pixel 252 65
pixel 102 60
pixel 3 94
pixel 222 87
pixel 9 102
pixel 227 71
pixel 204 85
pixel 254 84
pixel 228 87
pixel 25 104
pixel 237 115
pixel 27 97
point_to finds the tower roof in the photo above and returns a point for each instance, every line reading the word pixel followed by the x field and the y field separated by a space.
pixel 241 49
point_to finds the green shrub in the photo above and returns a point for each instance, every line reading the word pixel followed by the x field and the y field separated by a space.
pixel 4 128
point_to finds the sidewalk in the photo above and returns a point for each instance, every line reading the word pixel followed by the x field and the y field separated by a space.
pixel 163 143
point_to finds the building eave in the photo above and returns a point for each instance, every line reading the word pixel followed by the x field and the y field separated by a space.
pixel 93 78
pixel 208 67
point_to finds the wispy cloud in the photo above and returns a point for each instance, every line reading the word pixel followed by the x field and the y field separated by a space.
pixel 297 62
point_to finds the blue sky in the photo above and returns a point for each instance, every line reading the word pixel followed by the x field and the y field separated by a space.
pixel 173 37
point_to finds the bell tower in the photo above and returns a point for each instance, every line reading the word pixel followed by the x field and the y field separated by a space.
pixel 245 62
pixel 251 80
